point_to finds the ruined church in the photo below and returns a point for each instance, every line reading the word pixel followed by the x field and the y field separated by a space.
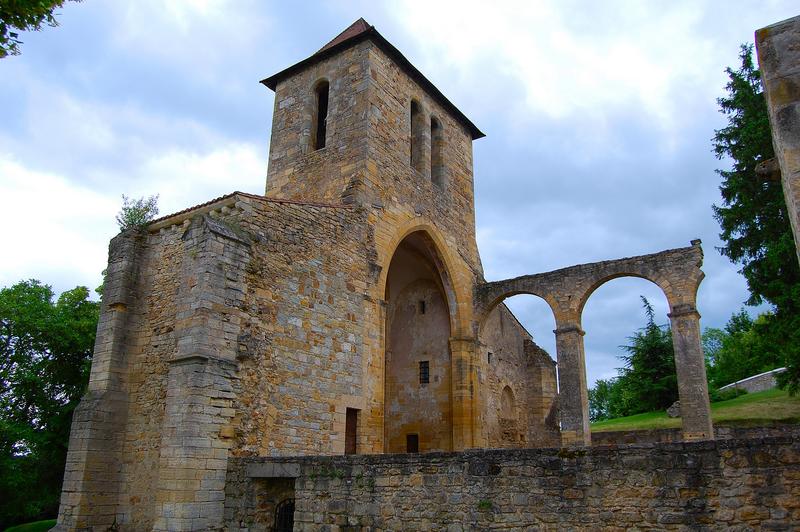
pixel 344 311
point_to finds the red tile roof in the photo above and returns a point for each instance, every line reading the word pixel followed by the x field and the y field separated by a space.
pixel 356 28
pixel 357 32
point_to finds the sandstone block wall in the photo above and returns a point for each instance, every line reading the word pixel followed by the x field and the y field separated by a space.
pixel 508 360
pixel 731 484
pixel 298 171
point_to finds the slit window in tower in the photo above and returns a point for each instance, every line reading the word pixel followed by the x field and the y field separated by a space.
pixel 437 163
pixel 416 137
pixel 321 119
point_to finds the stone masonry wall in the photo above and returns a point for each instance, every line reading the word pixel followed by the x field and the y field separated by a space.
pixel 296 170
pixel 301 361
pixel 254 300
pixel 390 178
pixel 519 368
pixel 732 485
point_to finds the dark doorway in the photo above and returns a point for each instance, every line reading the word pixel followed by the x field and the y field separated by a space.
pixel 351 431
pixel 412 443
pixel 284 516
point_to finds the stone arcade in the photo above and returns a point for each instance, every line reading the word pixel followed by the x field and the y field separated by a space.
pixel 342 312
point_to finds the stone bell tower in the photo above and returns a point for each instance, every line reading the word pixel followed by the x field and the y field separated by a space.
pixel 357 123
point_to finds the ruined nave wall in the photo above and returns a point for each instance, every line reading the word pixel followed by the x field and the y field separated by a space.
pixel 517 384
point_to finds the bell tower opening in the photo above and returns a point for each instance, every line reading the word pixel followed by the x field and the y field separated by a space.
pixel 418 389
pixel 321 116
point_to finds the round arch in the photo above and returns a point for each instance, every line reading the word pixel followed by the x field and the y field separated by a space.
pixel 487 311
pixel 597 283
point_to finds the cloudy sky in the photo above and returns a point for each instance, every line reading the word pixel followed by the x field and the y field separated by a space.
pixel 598 118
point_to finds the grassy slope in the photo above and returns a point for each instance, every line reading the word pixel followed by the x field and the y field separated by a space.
pixel 38 526
pixel 760 408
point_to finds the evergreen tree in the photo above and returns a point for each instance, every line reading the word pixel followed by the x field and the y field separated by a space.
pixel 648 380
pixel 753 216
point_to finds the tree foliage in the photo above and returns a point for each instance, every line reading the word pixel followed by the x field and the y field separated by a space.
pixel 753 216
pixel 137 212
pixel 45 352
pixel 647 382
pixel 738 351
pixel 24 15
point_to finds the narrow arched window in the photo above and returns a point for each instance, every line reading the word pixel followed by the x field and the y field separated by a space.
pixel 437 160
pixel 417 137
pixel 321 116
pixel 507 403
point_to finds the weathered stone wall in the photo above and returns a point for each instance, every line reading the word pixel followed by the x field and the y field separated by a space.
pixel 627 437
pixel 390 177
pixel 508 358
pixel 302 362
pixel 738 484
pixel 366 162
pixel 298 171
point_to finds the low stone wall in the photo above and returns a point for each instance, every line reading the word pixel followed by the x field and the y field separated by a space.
pixel 713 484
pixel 721 432
pixel 757 383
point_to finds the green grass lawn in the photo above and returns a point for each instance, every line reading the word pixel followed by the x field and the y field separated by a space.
pixel 38 526
pixel 753 409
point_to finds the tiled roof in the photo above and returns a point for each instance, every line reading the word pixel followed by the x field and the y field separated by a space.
pixel 356 28
pixel 357 32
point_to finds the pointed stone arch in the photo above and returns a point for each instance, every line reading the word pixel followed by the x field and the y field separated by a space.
pixel 444 261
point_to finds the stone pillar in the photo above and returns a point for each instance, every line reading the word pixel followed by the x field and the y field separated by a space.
pixel 691 369
pixel 573 393
pixel 779 59
pixel 91 477
pixel 462 351
pixel 202 380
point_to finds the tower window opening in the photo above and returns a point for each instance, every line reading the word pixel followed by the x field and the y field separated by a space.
pixel 424 372
pixel 437 158
pixel 321 118
pixel 417 139
pixel 422 306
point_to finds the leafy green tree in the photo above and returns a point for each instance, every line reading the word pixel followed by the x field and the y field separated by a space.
pixel 753 217
pixel 24 15
pixel 45 352
pixel 606 400
pixel 137 212
pixel 738 351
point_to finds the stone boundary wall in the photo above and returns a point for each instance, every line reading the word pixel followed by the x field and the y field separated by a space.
pixel 627 437
pixel 757 383
pixel 743 484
